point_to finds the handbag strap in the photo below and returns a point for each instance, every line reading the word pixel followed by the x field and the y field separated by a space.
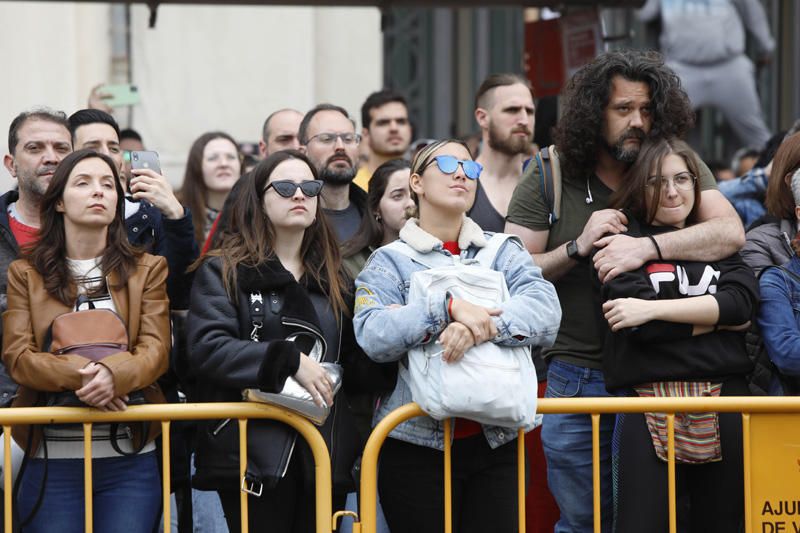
pixel 83 299
pixel 256 308
pixel 256 314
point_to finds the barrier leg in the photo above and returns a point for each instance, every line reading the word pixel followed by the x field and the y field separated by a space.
pixel 7 478
pixel 87 476
pixel 671 471
pixel 242 471
pixel 166 466
pixel 521 479
pixel 596 470
pixel 448 482
pixel 748 507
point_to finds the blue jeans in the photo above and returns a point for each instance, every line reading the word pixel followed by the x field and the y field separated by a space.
pixel 567 442
pixel 127 495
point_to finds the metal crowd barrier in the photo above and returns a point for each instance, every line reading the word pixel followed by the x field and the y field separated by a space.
pixel 365 521
pixel 165 413
pixel 593 407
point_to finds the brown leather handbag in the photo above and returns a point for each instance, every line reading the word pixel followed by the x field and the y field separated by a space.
pixel 92 333
pixel 96 334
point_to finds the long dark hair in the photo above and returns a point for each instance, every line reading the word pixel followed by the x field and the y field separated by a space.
pixel 250 238
pixel 49 255
pixel 632 195
pixel 370 232
pixel 578 134
pixel 193 192
pixel 780 201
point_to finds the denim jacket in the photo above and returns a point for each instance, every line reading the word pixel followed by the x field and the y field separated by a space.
pixel 531 316
pixel 779 320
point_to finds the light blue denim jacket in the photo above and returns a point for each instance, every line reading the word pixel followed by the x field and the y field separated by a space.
pixel 779 320
pixel 530 317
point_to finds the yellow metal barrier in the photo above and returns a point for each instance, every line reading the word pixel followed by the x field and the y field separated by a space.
pixel 165 413
pixel 366 522
pixel 593 407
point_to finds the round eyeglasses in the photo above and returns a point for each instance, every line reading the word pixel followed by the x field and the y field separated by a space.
pixel 683 181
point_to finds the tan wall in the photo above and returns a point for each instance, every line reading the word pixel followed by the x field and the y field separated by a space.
pixel 202 68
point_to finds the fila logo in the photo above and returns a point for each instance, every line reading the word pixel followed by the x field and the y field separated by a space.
pixel 666 273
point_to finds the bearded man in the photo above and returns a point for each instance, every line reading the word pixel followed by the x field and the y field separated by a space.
pixel 610 106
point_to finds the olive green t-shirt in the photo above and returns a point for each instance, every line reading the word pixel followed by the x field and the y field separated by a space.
pixel 579 339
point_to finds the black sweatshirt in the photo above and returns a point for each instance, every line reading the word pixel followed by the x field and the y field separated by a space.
pixel 667 351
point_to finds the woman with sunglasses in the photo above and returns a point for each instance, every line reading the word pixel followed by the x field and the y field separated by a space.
pixel 410 483
pixel 84 250
pixel 672 331
pixel 275 277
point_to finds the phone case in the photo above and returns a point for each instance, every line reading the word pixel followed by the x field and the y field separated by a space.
pixel 121 95
pixel 145 159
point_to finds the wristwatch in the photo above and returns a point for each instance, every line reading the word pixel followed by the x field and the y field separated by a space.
pixel 573 253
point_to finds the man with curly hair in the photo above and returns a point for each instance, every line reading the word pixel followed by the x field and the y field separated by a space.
pixel 611 105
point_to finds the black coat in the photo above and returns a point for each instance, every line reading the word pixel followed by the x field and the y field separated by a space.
pixel 667 351
pixel 224 360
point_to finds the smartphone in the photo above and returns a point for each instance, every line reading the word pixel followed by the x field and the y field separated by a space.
pixel 145 159
pixel 121 95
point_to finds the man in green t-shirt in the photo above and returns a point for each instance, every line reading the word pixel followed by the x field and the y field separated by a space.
pixel 610 106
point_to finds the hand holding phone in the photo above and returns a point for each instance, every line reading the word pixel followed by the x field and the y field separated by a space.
pixel 145 159
pixel 148 184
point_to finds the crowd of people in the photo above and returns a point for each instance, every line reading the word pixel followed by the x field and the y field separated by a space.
pixel 636 279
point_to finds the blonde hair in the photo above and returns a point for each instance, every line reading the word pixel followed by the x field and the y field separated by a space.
pixel 421 161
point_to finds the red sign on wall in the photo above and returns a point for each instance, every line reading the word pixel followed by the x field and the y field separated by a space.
pixel 556 48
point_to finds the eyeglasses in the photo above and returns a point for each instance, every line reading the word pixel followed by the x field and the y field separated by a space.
pixel 330 138
pixel 683 182
pixel 287 188
pixel 449 165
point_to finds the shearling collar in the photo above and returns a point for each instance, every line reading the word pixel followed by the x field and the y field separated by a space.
pixel 423 242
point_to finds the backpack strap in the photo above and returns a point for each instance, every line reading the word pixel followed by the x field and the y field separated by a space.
pixel 550 181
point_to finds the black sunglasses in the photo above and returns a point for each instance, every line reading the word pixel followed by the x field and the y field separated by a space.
pixel 287 188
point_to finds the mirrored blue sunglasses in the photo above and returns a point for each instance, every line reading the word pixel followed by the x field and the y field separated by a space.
pixel 449 164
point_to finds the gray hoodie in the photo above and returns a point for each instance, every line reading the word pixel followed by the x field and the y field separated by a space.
pixel 701 32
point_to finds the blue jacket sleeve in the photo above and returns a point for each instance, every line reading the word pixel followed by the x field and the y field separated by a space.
pixel 778 322
pixel 532 314
pixel 385 333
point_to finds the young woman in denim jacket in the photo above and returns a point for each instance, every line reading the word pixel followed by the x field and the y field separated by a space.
pixel 83 249
pixel 443 180
pixel 668 322
pixel 778 315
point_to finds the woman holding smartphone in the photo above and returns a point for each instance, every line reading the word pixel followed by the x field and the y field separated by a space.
pixel 410 483
pixel 83 250
pixel 278 245
pixel 671 332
